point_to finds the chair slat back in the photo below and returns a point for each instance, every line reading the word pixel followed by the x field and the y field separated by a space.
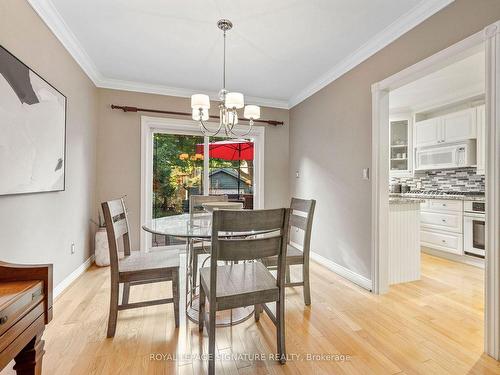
pixel 243 221
pixel 274 222
pixel 196 201
pixel 115 216
pixel 248 249
pixel 301 217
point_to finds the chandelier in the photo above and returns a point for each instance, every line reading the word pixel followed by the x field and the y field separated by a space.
pixel 229 104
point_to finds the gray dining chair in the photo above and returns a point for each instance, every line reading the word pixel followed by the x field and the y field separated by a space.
pixel 136 267
pixel 301 219
pixel 200 246
pixel 248 283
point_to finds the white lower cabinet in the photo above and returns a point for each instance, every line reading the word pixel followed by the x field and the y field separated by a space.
pixel 441 223
pixel 444 241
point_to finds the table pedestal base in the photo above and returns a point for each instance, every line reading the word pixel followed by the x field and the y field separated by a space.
pixel 224 318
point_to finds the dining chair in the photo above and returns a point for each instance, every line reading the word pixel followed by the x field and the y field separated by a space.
pixel 201 246
pixel 247 283
pixel 301 219
pixel 136 267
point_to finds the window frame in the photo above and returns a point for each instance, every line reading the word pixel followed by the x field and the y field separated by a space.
pixel 151 125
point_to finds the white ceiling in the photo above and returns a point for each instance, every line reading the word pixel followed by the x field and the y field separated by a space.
pixel 279 52
pixel 456 82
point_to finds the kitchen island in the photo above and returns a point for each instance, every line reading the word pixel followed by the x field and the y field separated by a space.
pixel 404 239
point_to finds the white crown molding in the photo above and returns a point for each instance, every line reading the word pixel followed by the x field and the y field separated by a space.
pixel 49 14
pixel 401 26
pixel 117 84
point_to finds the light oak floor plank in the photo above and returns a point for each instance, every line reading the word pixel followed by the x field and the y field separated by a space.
pixel 432 326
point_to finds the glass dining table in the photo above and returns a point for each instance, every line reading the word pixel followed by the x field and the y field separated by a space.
pixel 197 229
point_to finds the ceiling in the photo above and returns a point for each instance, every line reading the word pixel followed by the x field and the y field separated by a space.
pixel 279 52
pixel 456 82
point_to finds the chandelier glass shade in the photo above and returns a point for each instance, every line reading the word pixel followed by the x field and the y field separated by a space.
pixel 230 103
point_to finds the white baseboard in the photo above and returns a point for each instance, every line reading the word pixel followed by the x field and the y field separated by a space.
pixel 342 271
pixel 471 261
pixel 73 276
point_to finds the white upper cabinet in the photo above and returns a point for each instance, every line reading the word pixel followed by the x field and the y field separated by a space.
pixel 481 139
pixel 401 147
pixel 459 126
pixel 428 132
pixel 450 128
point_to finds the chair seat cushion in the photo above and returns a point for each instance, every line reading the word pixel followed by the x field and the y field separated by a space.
pixel 153 260
pixel 293 256
pixel 243 284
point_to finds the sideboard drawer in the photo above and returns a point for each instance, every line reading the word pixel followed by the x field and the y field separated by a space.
pixel 14 309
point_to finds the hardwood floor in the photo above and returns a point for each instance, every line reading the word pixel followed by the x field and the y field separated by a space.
pixel 433 326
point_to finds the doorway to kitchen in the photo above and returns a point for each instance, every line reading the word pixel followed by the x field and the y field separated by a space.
pixel 453 152
pixel 178 161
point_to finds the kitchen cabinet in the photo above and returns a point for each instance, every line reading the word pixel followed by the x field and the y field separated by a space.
pixel 459 126
pixel 428 132
pixel 453 127
pixel 401 145
pixel 441 225
pixel 481 139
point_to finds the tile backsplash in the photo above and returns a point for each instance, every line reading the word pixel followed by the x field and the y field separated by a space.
pixel 464 179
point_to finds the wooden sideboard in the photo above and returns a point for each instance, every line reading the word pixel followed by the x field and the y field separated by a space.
pixel 25 309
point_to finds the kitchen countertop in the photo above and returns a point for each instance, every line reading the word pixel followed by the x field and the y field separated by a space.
pixel 405 200
pixel 480 198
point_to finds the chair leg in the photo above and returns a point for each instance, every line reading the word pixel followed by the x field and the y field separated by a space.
pixel 113 308
pixel 287 274
pixel 280 329
pixel 257 310
pixel 307 286
pixel 211 341
pixel 126 293
pixel 201 309
pixel 176 296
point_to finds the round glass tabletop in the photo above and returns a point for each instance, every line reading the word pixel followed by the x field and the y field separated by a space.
pixel 182 226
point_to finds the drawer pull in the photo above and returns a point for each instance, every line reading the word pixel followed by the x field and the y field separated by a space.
pixel 36 294
pixel 443 220
pixel 444 204
pixel 3 319
pixel 444 241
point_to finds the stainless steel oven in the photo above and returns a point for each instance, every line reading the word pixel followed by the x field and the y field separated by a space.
pixel 474 229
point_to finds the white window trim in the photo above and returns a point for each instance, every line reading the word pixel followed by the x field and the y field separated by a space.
pixel 150 125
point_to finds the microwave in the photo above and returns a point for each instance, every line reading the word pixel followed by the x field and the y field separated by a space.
pixel 458 155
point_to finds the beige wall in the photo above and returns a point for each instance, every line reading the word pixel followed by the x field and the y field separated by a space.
pixel 39 228
pixel 330 133
pixel 119 150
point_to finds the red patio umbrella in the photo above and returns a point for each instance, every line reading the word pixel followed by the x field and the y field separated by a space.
pixel 229 150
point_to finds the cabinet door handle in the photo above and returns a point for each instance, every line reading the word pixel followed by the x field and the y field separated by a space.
pixel 3 319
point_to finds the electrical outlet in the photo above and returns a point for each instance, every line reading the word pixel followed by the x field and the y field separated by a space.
pixel 72 248
pixel 297 174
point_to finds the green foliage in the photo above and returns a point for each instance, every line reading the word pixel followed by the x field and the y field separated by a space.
pixel 174 175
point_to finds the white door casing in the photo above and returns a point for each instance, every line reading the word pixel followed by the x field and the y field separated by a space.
pixel 490 38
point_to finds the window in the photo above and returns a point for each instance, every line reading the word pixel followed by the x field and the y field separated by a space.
pixel 178 161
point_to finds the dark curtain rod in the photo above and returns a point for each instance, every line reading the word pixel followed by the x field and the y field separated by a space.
pixel 135 109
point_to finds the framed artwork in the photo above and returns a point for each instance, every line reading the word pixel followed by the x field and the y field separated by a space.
pixel 32 130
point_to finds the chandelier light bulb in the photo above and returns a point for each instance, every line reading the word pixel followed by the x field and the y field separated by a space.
pixel 200 114
pixel 200 101
pixel 234 100
pixel 252 112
